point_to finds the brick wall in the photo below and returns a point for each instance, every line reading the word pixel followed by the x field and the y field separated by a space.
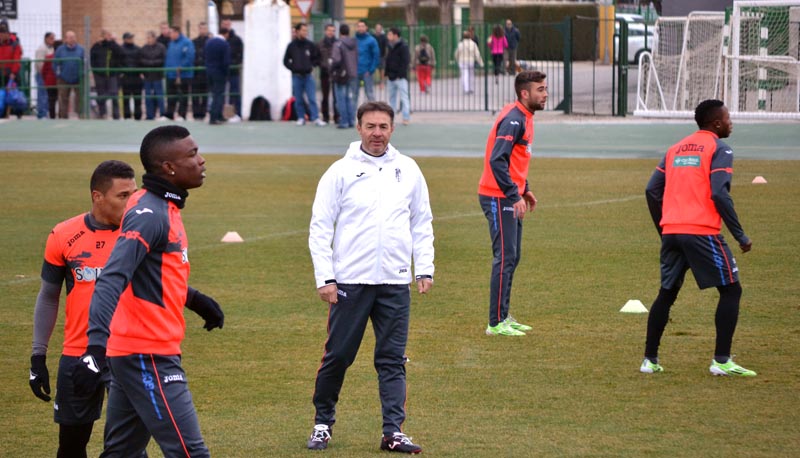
pixel 120 16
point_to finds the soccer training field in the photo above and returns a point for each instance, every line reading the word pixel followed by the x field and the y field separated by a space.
pixel 571 387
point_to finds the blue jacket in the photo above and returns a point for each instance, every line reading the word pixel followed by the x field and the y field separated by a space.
pixel 368 54
pixel 218 57
pixel 180 53
pixel 69 70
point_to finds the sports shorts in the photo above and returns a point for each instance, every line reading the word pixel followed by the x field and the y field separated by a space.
pixel 72 409
pixel 708 256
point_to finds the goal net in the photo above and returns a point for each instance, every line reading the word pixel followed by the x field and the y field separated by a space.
pixel 761 69
pixel 749 60
pixel 685 67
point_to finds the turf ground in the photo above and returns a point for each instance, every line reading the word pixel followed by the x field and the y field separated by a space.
pixel 569 388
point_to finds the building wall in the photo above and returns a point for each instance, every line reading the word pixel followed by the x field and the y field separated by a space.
pixel 684 7
pixel 120 16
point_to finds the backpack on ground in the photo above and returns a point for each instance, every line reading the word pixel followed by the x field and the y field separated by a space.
pixel 260 110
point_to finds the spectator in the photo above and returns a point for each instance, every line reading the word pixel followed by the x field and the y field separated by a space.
pixel 235 75
pixel 497 45
pixel 474 35
pixel 344 67
pixel 166 34
pixel 467 55
pixel 152 56
pixel 368 59
pixel 106 59
pixel 397 61
pixel 325 50
pixel 50 80
pixel 424 63
pixel 200 82
pixel 131 80
pixel 513 37
pixel 69 70
pixel 10 50
pixel 179 72
pixel 383 44
pixel 218 61
pixel 42 98
pixel 302 55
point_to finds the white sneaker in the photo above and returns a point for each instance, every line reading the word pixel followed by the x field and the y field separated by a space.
pixel 320 123
pixel 301 122
pixel 234 119
pixel 162 118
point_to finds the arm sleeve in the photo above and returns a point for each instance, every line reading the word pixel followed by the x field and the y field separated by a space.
pixel 508 133
pixel 422 228
pixel 654 193
pixel 138 235
pixel 45 314
pixel 287 60
pixel 721 172
pixel 323 218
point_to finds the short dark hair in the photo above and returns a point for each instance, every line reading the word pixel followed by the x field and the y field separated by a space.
pixel 525 78
pixel 374 106
pixel 103 176
pixel 176 28
pixel 152 152
pixel 330 24
pixel 48 35
pixel 395 31
pixel 344 29
pixel 707 112
pixel 300 25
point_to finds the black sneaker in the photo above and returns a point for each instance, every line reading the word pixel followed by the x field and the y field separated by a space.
pixel 319 437
pixel 399 442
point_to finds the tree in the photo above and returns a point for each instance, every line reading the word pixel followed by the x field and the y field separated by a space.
pixel 412 7
pixel 476 11
pixel 446 11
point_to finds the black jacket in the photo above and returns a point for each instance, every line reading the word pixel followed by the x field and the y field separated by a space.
pixel 301 56
pixel 130 59
pixel 237 52
pixel 153 56
pixel 199 54
pixel 397 60
pixel 105 54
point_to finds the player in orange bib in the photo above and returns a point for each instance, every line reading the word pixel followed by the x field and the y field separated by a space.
pixel 136 313
pixel 505 197
pixel 75 254
pixel 688 197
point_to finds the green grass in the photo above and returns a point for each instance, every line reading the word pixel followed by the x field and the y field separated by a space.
pixel 569 388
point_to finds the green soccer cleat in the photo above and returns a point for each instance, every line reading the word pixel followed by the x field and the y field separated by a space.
pixel 502 329
pixel 730 368
pixel 517 325
pixel 649 367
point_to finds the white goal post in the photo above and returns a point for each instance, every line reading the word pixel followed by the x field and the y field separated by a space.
pixel 751 61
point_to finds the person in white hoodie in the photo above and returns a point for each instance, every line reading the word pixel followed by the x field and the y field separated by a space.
pixel 371 216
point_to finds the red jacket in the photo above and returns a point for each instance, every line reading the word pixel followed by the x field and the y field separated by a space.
pixel 10 50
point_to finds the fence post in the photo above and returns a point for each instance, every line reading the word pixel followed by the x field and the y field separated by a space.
pixel 622 69
pixel 567 35
pixel 85 83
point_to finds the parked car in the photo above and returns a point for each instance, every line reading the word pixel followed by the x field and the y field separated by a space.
pixel 640 36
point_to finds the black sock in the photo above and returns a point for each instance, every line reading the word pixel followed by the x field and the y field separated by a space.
pixel 72 440
pixel 725 319
pixel 657 321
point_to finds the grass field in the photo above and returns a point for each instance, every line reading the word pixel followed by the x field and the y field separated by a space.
pixel 569 388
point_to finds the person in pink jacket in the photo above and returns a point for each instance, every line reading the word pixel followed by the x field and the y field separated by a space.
pixel 497 45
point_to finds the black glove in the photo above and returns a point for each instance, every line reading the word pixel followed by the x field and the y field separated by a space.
pixel 207 308
pixel 40 378
pixel 91 371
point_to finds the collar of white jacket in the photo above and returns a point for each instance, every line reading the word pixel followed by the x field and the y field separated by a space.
pixel 355 152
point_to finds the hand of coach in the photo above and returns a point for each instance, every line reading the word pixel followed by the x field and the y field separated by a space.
pixel 208 309
pixel 40 377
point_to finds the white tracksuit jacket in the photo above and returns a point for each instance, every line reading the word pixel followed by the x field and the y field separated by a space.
pixel 369 218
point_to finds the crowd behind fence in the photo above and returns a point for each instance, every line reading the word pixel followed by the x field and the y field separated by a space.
pixel 547 47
